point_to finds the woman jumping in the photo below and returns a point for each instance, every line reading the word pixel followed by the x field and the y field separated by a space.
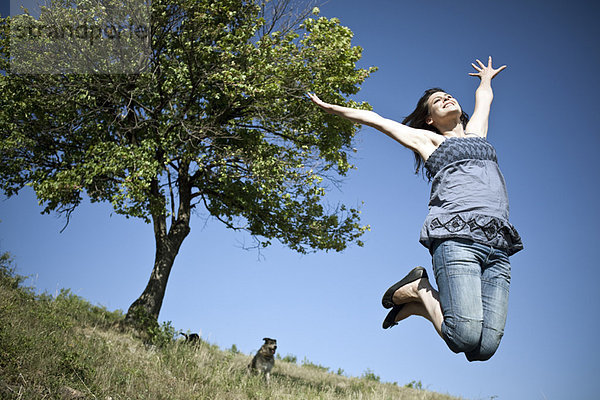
pixel 466 231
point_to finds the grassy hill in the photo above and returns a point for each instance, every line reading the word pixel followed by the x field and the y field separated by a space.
pixel 62 347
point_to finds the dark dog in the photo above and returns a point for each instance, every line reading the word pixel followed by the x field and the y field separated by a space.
pixel 192 338
pixel 264 359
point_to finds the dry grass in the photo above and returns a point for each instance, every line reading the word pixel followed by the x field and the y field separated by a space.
pixel 181 371
pixel 65 348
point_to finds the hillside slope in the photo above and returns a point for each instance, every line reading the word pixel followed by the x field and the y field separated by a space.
pixel 63 347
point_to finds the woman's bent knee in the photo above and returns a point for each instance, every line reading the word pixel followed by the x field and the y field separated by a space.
pixel 480 355
pixel 490 341
pixel 462 336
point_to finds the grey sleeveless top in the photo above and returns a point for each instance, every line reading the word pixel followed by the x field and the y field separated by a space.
pixel 468 196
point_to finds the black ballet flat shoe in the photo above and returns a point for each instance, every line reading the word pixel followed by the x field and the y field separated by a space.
pixel 415 274
pixel 390 318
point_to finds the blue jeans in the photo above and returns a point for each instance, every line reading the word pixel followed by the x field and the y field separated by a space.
pixel 473 282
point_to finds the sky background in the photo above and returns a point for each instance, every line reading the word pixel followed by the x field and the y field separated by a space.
pixel 325 307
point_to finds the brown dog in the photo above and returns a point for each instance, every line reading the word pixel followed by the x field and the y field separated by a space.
pixel 264 359
pixel 192 338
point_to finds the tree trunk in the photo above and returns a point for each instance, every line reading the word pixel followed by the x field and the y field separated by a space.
pixel 148 305
pixel 145 309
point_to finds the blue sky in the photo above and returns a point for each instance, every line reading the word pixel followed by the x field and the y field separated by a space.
pixel 326 306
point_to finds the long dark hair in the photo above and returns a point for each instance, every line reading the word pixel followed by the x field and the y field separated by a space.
pixel 418 117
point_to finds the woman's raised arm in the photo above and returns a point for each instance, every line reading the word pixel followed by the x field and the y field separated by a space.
pixel 478 124
pixel 418 140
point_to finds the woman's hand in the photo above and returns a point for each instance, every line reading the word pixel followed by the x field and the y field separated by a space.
pixel 325 106
pixel 486 72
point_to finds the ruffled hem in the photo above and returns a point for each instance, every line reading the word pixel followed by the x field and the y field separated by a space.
pixel 492 231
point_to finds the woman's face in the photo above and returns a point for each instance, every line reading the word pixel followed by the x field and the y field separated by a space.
pixel 442 106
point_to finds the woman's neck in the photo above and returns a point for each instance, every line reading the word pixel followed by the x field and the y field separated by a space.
pixel 452 130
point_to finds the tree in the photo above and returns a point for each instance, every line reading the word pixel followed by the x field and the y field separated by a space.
pixel 215 117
